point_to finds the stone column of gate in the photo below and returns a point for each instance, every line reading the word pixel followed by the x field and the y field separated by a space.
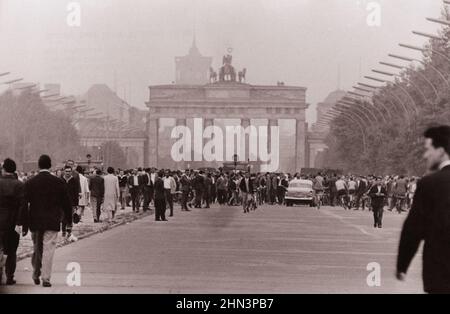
pixel 245 123
pixel 152 141
pixel 300 144
pixel 271 122
pixel 182 122
pixel 206 123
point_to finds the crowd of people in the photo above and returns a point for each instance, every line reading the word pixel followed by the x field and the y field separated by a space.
pixel 50 201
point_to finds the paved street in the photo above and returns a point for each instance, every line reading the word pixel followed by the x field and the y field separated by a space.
pixel 222 250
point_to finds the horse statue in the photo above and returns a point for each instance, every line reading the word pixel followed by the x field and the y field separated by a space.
pixel 241 75
pixel 212 75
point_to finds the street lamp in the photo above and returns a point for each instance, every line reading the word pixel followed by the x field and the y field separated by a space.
pixel 439 21
pixel 396 66
pixel 13 81
pixel 413 102
pixel 402 105
pixel 397 76
pixel 423 50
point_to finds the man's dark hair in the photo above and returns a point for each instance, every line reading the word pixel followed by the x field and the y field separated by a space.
pixel 440 137
pixel 110 170
pixel 98 172
pixel 45 162
pixel 67 167
pixel 9 165
pixel 80 169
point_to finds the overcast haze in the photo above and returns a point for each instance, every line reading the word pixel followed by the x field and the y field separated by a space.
pixel 132 44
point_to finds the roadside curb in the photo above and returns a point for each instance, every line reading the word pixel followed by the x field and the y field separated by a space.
pixel 125 219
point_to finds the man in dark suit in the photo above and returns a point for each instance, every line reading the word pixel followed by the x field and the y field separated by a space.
pixel 378 194
pixel 360 191
pixel 429 217
pixel 134 185
pixel 48 200
pixel 97 188
pixel 160 197
pixel 12 204
pixel 148 189
pixel 208 183
pixel 185 189
pixel 198 184
pixel 333 189
pixel 74 196
pixel 246 187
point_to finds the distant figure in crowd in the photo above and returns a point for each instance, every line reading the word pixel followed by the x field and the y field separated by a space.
pixel 12 205
pixel 429 217
pixel 378 195
pixel 85 192
pixel 123 181
pixel 49 201
pixel 73 188
pixel 112 193
pixel 160 198
pixel 134 185
pixel 97 188
pixel 148 189
pixel 170 187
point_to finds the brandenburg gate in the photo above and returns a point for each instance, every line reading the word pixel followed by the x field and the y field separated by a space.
pixel 226 97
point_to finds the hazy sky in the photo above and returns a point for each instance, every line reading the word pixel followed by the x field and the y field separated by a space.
pixel 300 42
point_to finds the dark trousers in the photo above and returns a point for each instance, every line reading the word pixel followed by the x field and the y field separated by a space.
pixel 333 196
pixel 378 214
pixel 98 207
pixel 169 200
pixel 184 200
pixel 9 242
pixel 273 196
pixel 222 196
pixel 160 209
pixel 358 201
pixel 148 196
pixel 280 193
pixel 65 227
pixel 135 198
pixel 207 198
pixel 198 198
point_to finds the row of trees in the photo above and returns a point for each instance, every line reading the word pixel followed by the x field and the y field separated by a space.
pixel 28 128
pixel 392 143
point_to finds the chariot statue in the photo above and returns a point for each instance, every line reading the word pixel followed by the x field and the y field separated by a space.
pixel 227 72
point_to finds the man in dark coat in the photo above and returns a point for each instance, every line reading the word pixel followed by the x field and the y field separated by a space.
pixel 74 196
pixel 97 188
pixel 148 188
pixel 12 205
pixel 208 184
pixel 378 195
pixel 429 217
pixel 135 185
pixel 185 183
pixel 198 184
pixel 160 197
pixel 48 201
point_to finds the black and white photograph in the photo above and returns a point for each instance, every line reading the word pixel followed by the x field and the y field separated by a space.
pixel 247 149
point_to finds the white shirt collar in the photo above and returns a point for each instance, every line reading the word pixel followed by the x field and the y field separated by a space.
pixel 44 170
pixel 444 164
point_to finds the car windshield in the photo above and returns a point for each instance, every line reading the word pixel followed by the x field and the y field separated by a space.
pixel 303 185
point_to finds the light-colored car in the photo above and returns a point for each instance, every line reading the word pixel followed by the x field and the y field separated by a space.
pixel 300 192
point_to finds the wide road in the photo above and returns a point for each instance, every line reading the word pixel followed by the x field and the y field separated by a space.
pixel 222 250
